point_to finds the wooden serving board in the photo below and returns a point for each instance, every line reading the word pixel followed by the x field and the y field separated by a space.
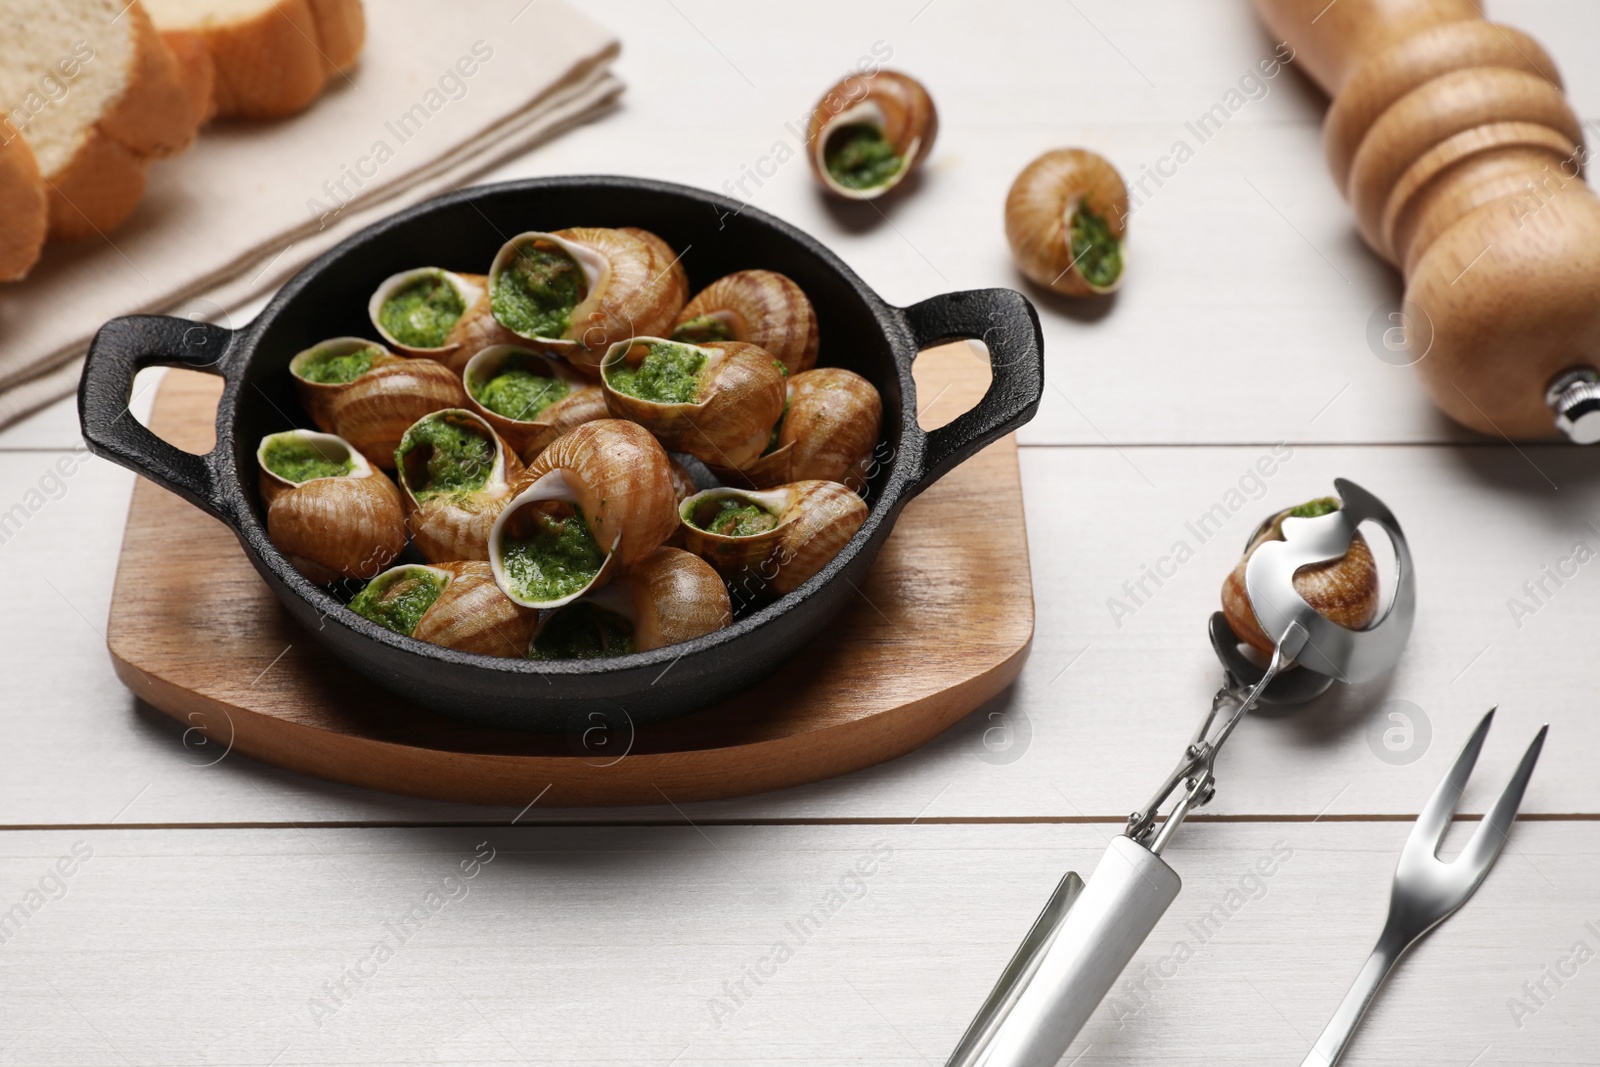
pixel 944 624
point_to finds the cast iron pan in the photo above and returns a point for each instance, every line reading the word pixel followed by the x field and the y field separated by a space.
pixel 462 231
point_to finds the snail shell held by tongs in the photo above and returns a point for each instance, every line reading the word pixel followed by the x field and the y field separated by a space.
pixel 329 511
pixel 455 605
pixel 717 402
pixel 530 397
pixel 769 542
pixel 416 310
pixel 575 292
pixel 869 131
pixel 374 411
pixel 327 368
pixel 1066 221
pixel 666 598
pixel 455 477
pixel 828 433
pixel 761 307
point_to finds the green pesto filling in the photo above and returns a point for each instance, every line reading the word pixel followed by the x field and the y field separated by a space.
pixel 398 603
pixel 552 557
pixel 736 517
pixel 535 294
pixel 519 393
pixel 582 630
pixel 298 460
pixel 667 373
pixel 437 457
pixel 858 157
pixel 324 367
pixel 1313 508
pixel 421 313
pixel 703 330
pixel 1096 252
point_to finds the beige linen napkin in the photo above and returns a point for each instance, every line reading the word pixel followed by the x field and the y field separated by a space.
pixel 434 103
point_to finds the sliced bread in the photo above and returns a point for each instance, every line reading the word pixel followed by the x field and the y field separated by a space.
pixel 24 211
pixel 96 94
pixel 271 57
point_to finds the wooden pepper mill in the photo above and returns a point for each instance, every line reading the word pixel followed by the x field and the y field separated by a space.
pixel 1454 143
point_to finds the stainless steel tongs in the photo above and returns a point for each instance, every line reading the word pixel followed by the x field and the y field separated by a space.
pixel 1087 934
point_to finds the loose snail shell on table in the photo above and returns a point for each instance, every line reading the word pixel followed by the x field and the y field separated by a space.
pixel 718 402
pixel 1344 590
pixel 327 369
pixel 761 307
pixel 454 605
pixel 374 411
pixel 869 131
pixel 456 475
pixel 622 478
pixel 666 598
pixel 328 510
pixel 529 396
pixel 828 433
pixel 1066 218
pixel 769 542
pixel 575 292
pixel 415 310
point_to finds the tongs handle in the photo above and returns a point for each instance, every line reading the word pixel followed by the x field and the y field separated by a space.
pixel 1072 956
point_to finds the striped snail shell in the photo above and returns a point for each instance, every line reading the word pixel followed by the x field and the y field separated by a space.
pixel 329 511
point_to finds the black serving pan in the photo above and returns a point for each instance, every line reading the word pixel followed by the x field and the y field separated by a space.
pixel 462 231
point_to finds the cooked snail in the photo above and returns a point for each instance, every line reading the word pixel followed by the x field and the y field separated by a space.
pixel 828 433
pixel 761 307
pixel 769 542
pixel 415 310
pixel 717 402
pixel 667 597
pixel 1066 219
pixel 456 475
pixel 328 511
pixel 324 370
pixel 374 411
pixel 869 131
pixel 456 605
pixel 1344 590
pixel 576 291
pixel 529 396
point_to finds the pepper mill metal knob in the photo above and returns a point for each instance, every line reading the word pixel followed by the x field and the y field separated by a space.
pixel 1575 398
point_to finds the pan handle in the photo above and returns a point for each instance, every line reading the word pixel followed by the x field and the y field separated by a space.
pixel 1006 322
pixel 120 350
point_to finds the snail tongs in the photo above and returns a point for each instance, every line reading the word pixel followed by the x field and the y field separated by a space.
pixel 1087 934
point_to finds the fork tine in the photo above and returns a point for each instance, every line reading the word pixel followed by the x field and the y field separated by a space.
pixel 1490 837
pixel 1431 825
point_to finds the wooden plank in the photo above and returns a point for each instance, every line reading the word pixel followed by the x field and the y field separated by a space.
pixel 630 945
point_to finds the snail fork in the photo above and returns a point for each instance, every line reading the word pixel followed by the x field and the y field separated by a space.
pixel 1428 890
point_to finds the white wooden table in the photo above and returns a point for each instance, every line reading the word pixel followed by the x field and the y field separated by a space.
pixel 232 913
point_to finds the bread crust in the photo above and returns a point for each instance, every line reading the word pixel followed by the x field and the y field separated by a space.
pixel 96 190
pixel 198 72
pixel 341 31
pixel 24 210
pixel 279 61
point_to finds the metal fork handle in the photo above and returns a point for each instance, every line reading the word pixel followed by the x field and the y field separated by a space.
pixel 1330 1047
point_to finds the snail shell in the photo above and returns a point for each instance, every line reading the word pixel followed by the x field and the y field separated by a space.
pixel 1344 590
pixel 739 395
pixel 668 597
pixel 1066 218
pixel 827 434
pixel 896 106
pixel 315 391
pixel 761 307
pixel 375 411
pixel 453 524
pixel 467 293
pixel 583 402
pixel 631 285
pixel 342 526
pixel 468 612
pixel 622 478
pixel 811 522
